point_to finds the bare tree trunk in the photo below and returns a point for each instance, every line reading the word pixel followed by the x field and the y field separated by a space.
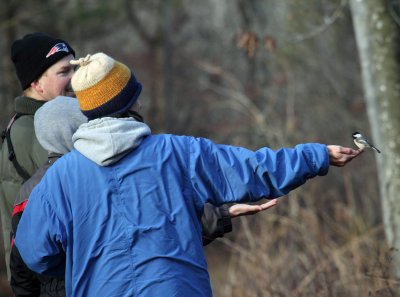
pixel 378 41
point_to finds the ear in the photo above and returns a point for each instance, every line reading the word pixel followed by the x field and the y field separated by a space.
pixel 37 86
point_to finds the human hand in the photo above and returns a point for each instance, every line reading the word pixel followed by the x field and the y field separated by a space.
pixel 248 209
pixel 340 156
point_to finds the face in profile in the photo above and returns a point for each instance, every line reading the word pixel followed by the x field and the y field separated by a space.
pixel 56 80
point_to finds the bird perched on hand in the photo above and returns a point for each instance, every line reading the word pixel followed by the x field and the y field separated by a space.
pixel 362 143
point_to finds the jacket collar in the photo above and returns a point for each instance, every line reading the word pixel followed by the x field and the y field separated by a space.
pixel 27 105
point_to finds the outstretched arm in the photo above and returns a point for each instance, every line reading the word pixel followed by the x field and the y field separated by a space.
pixel 227 174
pixel 216 221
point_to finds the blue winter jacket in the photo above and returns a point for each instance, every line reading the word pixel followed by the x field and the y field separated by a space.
pixel 132 228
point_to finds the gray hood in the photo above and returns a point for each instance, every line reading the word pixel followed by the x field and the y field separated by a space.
pixel 107 140
pixel 55 123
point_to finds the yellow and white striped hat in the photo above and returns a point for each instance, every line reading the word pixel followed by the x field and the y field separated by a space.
pixel 103 86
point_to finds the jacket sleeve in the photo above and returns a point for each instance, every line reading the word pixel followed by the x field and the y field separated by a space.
pixel 224 174
pixel 45 230
pixel 24 282
pixel 215 221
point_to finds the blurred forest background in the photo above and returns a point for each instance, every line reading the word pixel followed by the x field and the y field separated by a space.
pixel 261 73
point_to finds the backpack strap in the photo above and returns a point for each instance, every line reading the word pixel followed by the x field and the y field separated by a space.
pixel 6 134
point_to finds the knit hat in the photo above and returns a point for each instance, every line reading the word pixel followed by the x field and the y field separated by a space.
pixel 35 53
pixel 103 86
pixel 55 123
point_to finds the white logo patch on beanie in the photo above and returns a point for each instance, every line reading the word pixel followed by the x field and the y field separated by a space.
pixel 59 47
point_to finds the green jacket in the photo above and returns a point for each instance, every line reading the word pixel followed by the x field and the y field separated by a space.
pixel 29 154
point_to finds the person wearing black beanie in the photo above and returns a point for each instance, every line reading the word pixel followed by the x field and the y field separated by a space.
pixel 33 54
pixel 42 66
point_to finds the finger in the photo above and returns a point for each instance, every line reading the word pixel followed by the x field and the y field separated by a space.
pixel 254 208
pixel 346 150
pixel 349 151
pixel 353 155
pixel 357 152
pixel 269 204
pixel 243 209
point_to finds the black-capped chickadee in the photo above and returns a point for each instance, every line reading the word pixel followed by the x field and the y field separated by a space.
pixel 362 143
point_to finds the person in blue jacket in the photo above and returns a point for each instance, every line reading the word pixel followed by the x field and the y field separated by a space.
pixel 65 117
pixel 120 214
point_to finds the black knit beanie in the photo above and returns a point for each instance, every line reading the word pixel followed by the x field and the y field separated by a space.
pixel 35 53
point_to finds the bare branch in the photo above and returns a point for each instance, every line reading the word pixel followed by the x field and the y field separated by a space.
pixel 328 21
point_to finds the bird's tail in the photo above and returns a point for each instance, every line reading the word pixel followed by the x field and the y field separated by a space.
pixel 374 148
